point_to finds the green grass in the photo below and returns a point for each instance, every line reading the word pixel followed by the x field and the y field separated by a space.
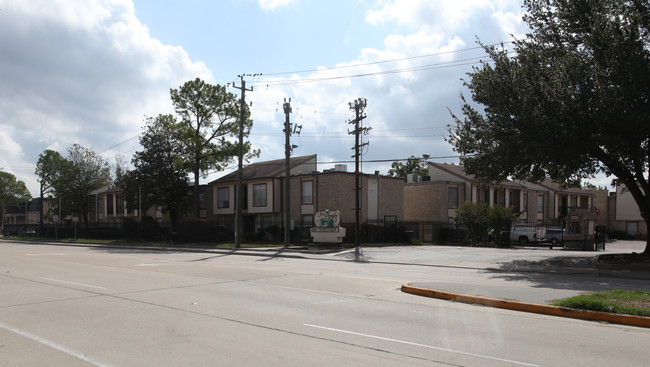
pixel 636 302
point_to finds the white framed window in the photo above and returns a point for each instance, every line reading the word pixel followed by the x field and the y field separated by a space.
pixel 223 197
pixel 259 194
pixel 307 196
pixel 453 197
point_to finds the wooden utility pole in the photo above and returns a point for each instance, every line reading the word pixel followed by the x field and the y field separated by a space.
pixel 238 193
pixel 287 172
pixel 358 106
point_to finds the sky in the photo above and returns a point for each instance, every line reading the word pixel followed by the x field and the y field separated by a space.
pixel 89 72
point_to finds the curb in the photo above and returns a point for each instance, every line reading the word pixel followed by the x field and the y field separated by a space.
pixel 639 321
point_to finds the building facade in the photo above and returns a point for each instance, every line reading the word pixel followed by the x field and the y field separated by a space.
pixel 310 191
pixel 435 197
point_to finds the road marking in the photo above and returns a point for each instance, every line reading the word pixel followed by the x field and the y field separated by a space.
pixel 421 345
pixel 73 283
pixel 149 264
pixel 45 254
pixel 54 345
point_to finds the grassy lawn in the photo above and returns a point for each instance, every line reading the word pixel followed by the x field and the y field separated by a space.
pixel 635 302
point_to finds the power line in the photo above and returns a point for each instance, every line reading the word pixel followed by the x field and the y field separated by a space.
pixel 270 83
pixel 386 61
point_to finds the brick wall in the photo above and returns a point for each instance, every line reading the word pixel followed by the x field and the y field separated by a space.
pixel 427 201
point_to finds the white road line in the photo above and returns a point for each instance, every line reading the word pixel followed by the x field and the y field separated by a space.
pixel 45 254
pixel 54 345
pixel 73 283
pixel 421 345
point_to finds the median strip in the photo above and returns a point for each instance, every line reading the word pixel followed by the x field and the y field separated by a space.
pixel 622 319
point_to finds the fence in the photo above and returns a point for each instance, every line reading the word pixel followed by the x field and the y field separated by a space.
pixel 218 231
pixel 388 230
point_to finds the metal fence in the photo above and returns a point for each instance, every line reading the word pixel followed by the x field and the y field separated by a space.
pixel 388 230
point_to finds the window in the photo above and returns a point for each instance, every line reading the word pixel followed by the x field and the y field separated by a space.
pixel 223 197
pixel 259 194
pixel 109 205
pixel 525 202
pixel 307 189
pixel 540 203
pixel 453 197
pixel 202 200
pixel 100 205
pixel 119 204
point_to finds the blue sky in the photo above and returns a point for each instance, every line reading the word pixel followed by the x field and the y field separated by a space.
pixel 235 37
pixel 90 71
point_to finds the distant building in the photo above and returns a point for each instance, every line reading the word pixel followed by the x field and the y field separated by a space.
pixel 626 215
pixel 435 197
pixel 311 191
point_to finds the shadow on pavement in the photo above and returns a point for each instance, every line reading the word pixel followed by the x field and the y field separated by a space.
pixel 571 273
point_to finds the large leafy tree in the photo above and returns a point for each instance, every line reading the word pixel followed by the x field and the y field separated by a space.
pixel 49 167
pixel 413 165
pixel 12 192
pixel 209 117
pixel 82 172
pixel 571 100
pixel 159 176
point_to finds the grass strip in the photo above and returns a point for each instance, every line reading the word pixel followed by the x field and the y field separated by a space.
pixel 619 301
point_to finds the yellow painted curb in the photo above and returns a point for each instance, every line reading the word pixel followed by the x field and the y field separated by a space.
pixel 639 321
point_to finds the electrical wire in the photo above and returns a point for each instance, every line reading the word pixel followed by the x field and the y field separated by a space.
pixel 386 61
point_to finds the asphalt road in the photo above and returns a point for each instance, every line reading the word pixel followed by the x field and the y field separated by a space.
pixel 95 306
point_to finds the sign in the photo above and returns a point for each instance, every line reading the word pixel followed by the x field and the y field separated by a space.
pixel 327 219
pixel 327 227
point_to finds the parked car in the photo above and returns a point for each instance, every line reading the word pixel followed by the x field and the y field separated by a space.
pixel 555 236
pixel 527 233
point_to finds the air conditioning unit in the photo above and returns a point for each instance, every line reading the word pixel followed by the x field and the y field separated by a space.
pixel 412 178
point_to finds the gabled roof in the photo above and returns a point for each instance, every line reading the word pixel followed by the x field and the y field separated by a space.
pixel 268 169
pixel 554 186
pixel 459 172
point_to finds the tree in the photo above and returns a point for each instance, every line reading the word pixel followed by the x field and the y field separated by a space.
pixel 474 216
pixel 48 169
pixel 160 175
pixel 208 117
pixel 499 221
pixel 82 172
pixel 413 165
pixel 12 192
pixel 572 100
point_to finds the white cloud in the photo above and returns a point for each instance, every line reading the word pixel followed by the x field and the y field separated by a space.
pixel 77 71
pixel 407 99
pixel 87 72
pixel 270 5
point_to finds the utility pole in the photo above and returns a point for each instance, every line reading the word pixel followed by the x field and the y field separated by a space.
pixel 358 106
pixel 288 149
pixel 287 171
pixel 238 192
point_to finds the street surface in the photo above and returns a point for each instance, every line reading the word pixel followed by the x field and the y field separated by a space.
pixel 99 306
